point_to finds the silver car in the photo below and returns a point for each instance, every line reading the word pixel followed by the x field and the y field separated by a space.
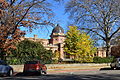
pixel 115 63
pixel 5 69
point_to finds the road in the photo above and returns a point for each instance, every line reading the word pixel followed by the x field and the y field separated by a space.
pixel 102 74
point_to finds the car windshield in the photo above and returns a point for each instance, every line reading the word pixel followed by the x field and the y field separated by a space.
pixel 2 62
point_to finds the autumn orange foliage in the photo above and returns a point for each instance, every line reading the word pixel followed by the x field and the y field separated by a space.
pixel 15 14
pixel 9 34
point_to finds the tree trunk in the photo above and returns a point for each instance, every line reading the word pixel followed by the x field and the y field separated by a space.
pixel 107 48
pixel 107 51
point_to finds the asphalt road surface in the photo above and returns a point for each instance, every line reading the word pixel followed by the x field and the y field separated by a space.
pixel 102 74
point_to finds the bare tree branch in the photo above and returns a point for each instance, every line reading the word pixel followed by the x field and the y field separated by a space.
pixel 100 17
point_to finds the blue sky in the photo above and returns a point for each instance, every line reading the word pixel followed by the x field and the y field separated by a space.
pixel 60 18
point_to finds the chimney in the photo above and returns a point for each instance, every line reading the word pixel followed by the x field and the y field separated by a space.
pixel 35 36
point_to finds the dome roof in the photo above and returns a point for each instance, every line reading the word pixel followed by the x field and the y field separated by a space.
pixel 58 29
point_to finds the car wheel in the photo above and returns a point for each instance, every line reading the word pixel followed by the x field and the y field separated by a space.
pixel 10 73
pixel 40 72
pixel 45 72
pixel 112 67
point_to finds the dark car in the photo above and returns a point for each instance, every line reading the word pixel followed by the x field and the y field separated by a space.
pixel 34 66
pixel 115 63
pixel 5 69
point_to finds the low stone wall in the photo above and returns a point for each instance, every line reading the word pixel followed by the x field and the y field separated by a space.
pixel 19 68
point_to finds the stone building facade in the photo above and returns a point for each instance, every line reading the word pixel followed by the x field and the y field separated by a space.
pixel 55 43
pixel 101 52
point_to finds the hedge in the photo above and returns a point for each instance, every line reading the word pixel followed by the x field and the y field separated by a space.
pixel 102 60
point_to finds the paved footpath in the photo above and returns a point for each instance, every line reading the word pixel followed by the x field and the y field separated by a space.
pixel 77 69
pixel 66 68
pixel 70 71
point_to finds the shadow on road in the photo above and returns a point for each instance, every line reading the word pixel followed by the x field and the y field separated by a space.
pixel 108 68
pixel 26 74
pixel 66 77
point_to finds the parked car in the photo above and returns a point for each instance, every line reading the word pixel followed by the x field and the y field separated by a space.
pixel 34 66
pixel 115 63
pixel 5 69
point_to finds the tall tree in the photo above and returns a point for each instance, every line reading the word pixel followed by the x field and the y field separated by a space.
pixel 56 56
pixel 99 17
pixel 79 45
pixel 116 39
pixel 15 14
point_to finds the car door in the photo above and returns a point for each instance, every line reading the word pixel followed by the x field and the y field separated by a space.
pixel 3 67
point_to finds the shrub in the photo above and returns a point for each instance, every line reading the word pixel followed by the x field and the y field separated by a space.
pixel 102 60
pixel 29 50
pixel 14 61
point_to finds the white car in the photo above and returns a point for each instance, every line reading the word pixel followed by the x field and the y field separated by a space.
pixel 115 63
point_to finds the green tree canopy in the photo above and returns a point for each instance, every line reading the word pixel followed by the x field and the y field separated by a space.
pixel 30 50
pixel 79 44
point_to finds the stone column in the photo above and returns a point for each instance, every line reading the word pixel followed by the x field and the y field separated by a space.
pixel 61 51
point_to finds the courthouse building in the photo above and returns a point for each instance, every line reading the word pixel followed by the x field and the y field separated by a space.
pixel 56 43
